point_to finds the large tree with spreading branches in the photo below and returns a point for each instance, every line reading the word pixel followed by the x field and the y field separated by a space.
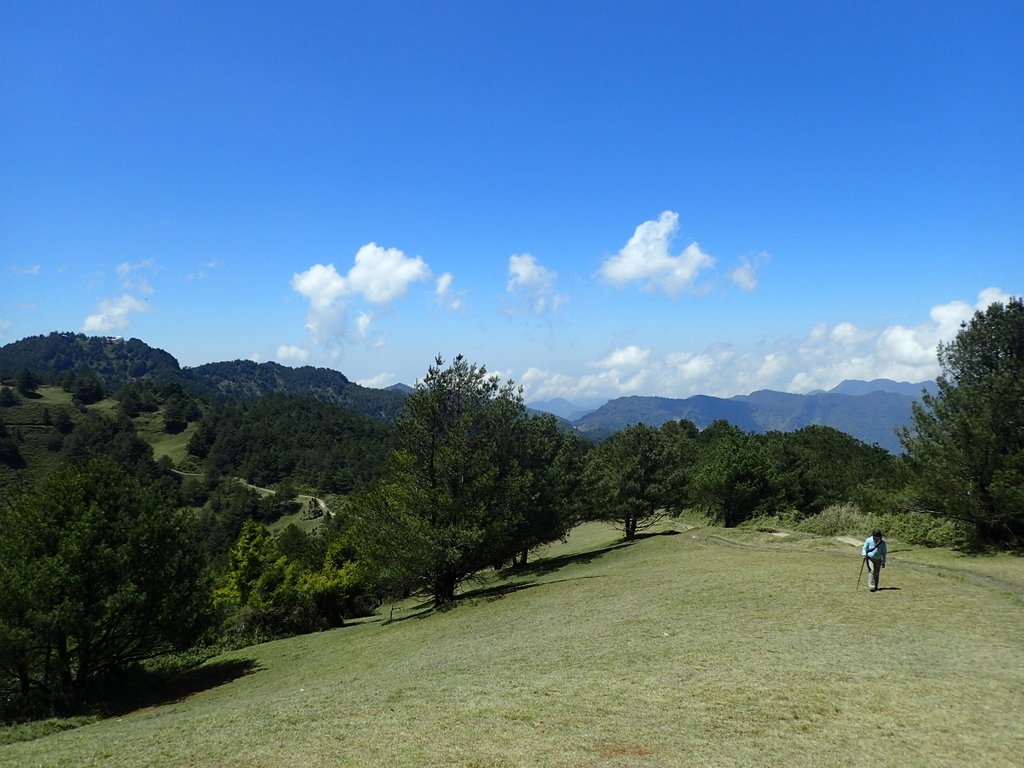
pixel 966 439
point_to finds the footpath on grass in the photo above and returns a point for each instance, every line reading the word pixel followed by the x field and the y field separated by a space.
pixel 1001 571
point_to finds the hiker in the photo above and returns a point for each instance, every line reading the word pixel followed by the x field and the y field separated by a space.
pixel 874 551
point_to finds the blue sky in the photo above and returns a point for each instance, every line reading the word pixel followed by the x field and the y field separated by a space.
pixel 595 199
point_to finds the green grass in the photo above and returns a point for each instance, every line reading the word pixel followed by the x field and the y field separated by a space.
pixel 150 427
pixel 710 647
pixel 26 421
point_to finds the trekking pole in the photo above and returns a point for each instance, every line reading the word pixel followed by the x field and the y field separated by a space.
pixel 861 574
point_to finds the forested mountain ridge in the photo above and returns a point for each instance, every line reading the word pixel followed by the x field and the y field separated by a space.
pixel 116 362
pixel 872 417
pixel 247 380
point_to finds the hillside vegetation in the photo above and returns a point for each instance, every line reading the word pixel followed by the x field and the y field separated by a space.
pixel 115 362
pixel 712 647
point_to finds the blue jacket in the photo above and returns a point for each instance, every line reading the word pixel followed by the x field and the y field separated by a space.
pixel 873 550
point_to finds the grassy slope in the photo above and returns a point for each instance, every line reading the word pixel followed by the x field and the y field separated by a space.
pixel 27 418
pixel 710 648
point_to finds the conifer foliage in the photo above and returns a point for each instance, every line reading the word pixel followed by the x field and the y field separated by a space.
pixel 967 439
pixel 97 573
pixel 452 503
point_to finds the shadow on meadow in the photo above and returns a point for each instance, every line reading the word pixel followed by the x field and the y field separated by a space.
pixel 143 689
pixel 518 578
pixel 545 566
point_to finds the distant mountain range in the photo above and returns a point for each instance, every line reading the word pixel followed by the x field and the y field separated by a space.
pixel 871 411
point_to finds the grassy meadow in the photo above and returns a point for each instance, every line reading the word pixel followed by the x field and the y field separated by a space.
pixel 697 646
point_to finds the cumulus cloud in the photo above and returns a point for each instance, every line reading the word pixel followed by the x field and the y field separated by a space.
pixel 114 314
pixel 646 258
pixel 745 275
pixel 379 275
pixel 291 353
pixel 384 274
pixel 691 366
pixel 324 288
pixel 533 284
pixel 380 381
pixel 625 357
pixel 541 384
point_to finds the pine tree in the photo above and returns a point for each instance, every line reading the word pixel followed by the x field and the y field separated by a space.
pixel 966 439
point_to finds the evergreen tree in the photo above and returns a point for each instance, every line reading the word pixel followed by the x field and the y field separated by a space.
pixel 732 480
pixel 627 477
pixel 455 486
pixel 99 572
pixel 967 438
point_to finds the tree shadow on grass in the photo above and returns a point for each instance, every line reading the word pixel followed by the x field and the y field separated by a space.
pixel 520 577
pixel 651 535
pixel 552 564
pixel 142 689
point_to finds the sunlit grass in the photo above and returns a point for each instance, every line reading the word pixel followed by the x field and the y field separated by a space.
pixel 706 648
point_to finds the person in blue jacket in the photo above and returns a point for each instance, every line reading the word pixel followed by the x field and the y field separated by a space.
pixel 874 551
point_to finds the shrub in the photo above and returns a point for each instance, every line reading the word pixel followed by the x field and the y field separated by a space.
pixel 838 520
pixel 923 529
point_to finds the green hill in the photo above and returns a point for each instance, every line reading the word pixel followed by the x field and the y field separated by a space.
pixel 116 362
pixel 711 647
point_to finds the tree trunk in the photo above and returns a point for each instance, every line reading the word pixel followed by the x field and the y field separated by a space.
pixel 64 660
pixel 444 588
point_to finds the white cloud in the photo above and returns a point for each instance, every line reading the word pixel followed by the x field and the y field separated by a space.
pixel 823 357
pixel 384 274
pixel 380 381
pixel 321 284
pixel 114 314
pixel 32 271
pixel 444 294
pixel 991 296
pixel 691 366
pixel 844 334
pixel 379 275
pixel 129 281
pixel 324 288
pixel 533 283
pixel 4 325
pixel 291 353
pixel 363 323
pixel 625 357
pixel 646 258
pixel 201 273
pixel 745 275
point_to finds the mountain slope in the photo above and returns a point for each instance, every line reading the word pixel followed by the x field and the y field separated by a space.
pixel 246 380
pixel 117 361
pixel 872 417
